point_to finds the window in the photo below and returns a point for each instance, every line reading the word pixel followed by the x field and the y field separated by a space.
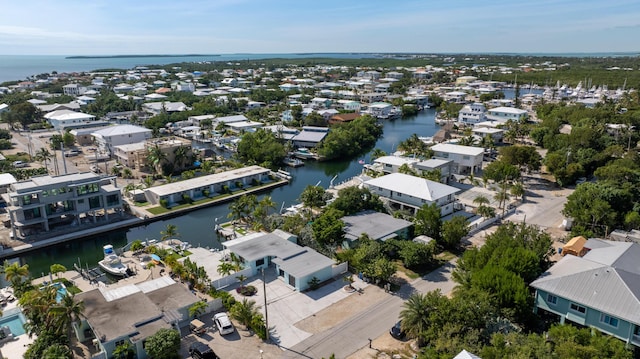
pixel 260 262
pixel 95 202
pixel 578 308
pixel 552 299
pixel 465 157
pixel 607 319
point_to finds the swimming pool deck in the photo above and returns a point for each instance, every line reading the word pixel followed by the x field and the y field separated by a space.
pixel 16 348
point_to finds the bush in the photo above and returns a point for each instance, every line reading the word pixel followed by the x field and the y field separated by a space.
pixel 247 290
pixel 225 189
pixel 5 144
pixel 206 193
pixel 314 283
pixel 255 182
pixel 187 199
pixel 164 203
pixel 239 184
pixel 227 299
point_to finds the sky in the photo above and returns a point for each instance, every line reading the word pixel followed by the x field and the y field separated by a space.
pixel 116 27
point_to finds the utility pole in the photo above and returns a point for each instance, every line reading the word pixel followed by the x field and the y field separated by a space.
pixel 266 315
pixel 64 162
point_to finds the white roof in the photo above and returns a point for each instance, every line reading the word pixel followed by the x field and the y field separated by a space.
pixel 7 178
pixel 62 115
pixel 503 109
pixel 230 119
pixel 413 186
pixel 458 149
pixel 131 147
pixel 395 160
pixel 118 130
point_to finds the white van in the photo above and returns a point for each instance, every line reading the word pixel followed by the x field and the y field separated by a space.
pixel 20 164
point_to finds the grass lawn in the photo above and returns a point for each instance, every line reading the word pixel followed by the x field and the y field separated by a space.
pixel 161 210
pixel 408 272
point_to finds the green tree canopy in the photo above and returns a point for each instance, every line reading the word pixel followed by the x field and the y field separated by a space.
pixel 164 344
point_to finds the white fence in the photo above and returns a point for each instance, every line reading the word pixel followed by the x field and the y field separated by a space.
pixel 477 227
pixel 231 279
pixel 339 269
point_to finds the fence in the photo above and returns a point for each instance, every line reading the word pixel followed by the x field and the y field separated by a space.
pixel 231 279
pixel 339 269
pixel 484 224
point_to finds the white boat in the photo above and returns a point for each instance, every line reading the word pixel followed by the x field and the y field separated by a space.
pixel 112 263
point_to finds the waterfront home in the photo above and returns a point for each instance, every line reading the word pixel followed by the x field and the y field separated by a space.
pixel 108 138
pixel 392 164
pixel 598 290
pixel 466 159
pixel 455 96
pixel 406 192
pixel 434 164
pixel 172 158
pixel 349 105
pixel 133 156
pixel 310 136
pixel 504 114
pixel 45 202
pixel 207 186
pixel 344 117
pixel 380 110
pixel 472 114
pixel 377 226
pixel 282 132
pixel 6 180
pixel 67 119
pixel 496 134
pixel 131 314
pixel 73 89
pixel 295 265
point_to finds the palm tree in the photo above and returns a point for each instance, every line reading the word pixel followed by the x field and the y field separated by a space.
pixel 180 155
pixel 241 278
pixel 486 211
pixel 225 268
pixel 14 272
pixel 377 153
pixel 126 173
pixel 57 269
pixel 170 232
pixel 197 309
pixel 517 189
pixel 244 312
pixel 67 312
pixel 480 200
pixel 43 155
pixel 415 315
pixel 156 157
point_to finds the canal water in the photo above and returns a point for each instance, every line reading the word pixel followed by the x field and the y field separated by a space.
pixel 197 227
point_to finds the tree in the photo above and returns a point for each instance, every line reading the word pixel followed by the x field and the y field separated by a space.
pixel 328 229
pixel 353 199
pixel 14 272
pixel 517 189
pixel 156 157
pixel 377 153
pixel 244 311
pixel 180 155
pixel 415 314
pixel 124 351
pixel 171 231
pixel 57 269
pixel 261 148
pixel 225 268
pixel 164 344
pixel 428 222
pixel 453 231
pixel 525 157
pixel 43 155
pixel 68 311
pixel 197 309
pixel 315 197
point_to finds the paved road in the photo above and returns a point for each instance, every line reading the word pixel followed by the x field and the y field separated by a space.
pixel 354 333
pixel 543 204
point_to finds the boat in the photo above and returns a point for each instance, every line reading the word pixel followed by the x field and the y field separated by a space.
pixel 112 263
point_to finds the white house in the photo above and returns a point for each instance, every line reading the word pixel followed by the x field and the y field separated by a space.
pixel 466 159
pixel 472 114
pixel 63 119
pixel 380 109
pixel 109 137
pixel 411 193
pixel 392 164
pixel 497 134
pixel 444 166
pixel 504 114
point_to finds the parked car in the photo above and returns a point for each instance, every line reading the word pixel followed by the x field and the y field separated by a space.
pixel 71 153
pixel 199 350
pixel 197 327
pixel 223 323
pixel 396 331
pixel 20 164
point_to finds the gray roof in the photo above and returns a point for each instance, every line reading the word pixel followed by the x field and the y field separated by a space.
pixel 48 181
pixel 137 311
pixel 376 225
pixel 606 279
pixel 292 258
pixel 309 136
pixel 119 130
pixel 413 186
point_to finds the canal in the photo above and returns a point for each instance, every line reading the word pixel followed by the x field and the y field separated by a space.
pixel 197 227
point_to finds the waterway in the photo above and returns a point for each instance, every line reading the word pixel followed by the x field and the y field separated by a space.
pixel 197 227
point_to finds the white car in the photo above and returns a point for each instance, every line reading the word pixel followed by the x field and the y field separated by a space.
pixel 223 323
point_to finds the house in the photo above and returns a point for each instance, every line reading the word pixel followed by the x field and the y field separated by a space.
pixel 73 90
pixel 343 117
pixel 320 102
pixel 84 136
pixel 310 136
pixel 496 134
pixel 45 202
pixel 380 110
pixel 466 159
pixel 294 264
pixel 349 105
pixel 6 180
pixel 444 166
pixel 57 106
pixel 407 192
pixel 175 153
pixel 455 96
pixel 133 155
pixel 377 226
pixel 504 114
pixel 206 186
pixel 109 137
pixel 392 164
pixel 132 313
pixel 4 107
pixel 472 114
pixel 67 119
pixel 282 132
pixel 600 290
pixel 157 108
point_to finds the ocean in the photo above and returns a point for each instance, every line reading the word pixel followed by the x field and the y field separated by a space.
pixel 21 67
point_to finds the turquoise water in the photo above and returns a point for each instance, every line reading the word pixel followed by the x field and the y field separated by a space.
pixel 61 291
pixel 15 324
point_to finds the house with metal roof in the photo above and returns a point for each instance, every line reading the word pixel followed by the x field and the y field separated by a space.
pixel 64 119
pixel 504 114
pixel 377 226
pixel 392 164
pixel 408 192
pixel 109 137
pixel 600 290
pixel 294 264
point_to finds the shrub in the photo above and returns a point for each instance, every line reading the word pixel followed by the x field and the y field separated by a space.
pixel 225 189
pixel 164 203
pixel 255 182
pixel 314 283
pixel 187 199
pixel 206 192
pixel 227 299
pixel 239 184
pixel 5 144
pixel 247 290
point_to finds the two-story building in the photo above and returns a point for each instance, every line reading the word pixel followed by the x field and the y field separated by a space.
pixel 45 202
pixel 408 192
pixel 392 164
pixel 466 159
pixel 472 114
pixel 504 114
pixel 112 136
pixel 600 290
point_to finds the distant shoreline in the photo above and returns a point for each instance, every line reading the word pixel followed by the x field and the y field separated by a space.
pixel 132 56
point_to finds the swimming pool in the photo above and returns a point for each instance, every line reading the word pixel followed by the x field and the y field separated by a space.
pixel 15 323
pixel 61 291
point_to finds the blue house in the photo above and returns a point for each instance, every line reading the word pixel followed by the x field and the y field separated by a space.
pixel 600 290
pixel 294 264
